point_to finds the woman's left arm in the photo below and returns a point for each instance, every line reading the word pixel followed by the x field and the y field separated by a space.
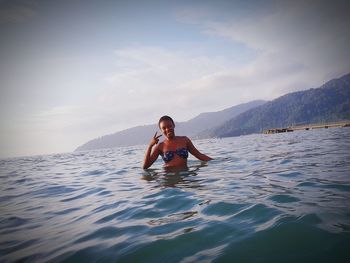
pixel 193 150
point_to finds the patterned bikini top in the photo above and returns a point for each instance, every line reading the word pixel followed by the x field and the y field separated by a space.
pixel 169 155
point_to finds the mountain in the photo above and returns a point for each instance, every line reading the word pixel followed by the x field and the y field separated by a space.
pixel 133 136
pixel 213 119
pixel 143 134
pixel 330 102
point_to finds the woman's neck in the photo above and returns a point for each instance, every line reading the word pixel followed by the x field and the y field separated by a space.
pixel 171 139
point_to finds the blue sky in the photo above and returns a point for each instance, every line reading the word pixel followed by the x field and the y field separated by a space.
pixel 75 70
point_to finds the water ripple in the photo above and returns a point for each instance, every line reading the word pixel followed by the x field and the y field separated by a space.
pixel 280 198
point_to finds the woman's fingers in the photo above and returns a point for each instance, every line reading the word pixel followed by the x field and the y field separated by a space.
pixel 155 136
pixel 155 139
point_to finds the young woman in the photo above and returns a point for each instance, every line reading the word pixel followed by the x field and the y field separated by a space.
pixel 174 149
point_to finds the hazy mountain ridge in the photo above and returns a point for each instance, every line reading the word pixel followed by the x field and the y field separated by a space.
pixel 213 119
pixel 136 135
pixel 143 134
pixel 330 102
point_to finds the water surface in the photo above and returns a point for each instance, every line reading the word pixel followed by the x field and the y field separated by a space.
pixel 265 198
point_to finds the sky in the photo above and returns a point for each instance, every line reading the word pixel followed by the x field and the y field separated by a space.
pixel 72 71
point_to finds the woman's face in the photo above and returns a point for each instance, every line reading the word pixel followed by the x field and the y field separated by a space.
pixel 167 127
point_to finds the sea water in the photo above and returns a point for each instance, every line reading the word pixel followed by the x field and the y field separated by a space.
pixel 265 198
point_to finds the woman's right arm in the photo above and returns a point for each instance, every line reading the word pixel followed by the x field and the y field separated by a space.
pixel 151 156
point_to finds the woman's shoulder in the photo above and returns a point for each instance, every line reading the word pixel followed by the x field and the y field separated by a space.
pixel 160 145
pixel 184 139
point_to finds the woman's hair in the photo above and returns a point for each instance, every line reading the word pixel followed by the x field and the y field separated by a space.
pixel 165 118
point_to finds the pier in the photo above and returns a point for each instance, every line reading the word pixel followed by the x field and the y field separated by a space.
pixel 308 127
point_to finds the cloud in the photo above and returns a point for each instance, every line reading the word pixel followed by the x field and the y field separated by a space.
pixel 312 32
pixel 152 79
pixel 16 11
pixel 148 82
pixel 300 45
pixel 296 45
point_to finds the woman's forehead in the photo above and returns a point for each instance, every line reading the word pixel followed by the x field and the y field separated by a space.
pixel 166 123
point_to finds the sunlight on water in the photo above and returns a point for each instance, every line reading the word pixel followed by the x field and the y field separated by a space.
pixel 265 198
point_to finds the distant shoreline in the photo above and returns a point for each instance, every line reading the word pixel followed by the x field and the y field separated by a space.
pixel 307 127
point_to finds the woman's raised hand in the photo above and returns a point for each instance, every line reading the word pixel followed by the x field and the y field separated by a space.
pixel 155 139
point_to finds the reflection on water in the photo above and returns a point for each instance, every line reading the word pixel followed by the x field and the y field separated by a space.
pixel 266 198
pixel 173 218
pixel 174 176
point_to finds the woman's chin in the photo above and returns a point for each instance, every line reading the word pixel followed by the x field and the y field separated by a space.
pixel 170 136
